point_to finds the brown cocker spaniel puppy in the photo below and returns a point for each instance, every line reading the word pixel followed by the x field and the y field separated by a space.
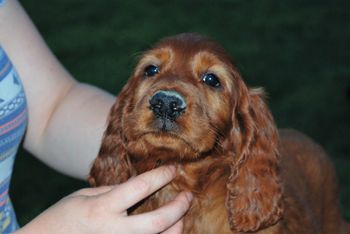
pixel 187 105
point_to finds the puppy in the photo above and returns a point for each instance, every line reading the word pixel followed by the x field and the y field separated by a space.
pixel 187 105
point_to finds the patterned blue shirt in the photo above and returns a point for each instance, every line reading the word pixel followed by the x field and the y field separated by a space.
pixel 13 121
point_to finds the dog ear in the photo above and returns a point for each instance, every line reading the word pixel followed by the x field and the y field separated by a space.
pixel 254 189
pixel 112 165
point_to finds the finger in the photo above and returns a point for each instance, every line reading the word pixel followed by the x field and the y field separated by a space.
pixel 177 228
pixel 161 219
pixel 138 188
pixel 92 191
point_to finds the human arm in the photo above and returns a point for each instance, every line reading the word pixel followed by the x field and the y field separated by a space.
pixel 66 118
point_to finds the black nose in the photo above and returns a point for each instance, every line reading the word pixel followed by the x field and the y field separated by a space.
pixel 167 104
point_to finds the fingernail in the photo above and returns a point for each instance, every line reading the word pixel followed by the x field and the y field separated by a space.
pixel 167 171
pixel 189 196
pixel 172 169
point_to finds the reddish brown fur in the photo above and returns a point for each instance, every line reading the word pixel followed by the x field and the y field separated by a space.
pixel 245 176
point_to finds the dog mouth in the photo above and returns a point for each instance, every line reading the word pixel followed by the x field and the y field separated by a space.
pixel 165 125
pixel 161 137
pixel 155 148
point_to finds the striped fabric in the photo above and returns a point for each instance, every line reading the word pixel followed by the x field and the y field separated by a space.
pixel 13 120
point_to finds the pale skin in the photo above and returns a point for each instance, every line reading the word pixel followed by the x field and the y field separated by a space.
pixel 66 123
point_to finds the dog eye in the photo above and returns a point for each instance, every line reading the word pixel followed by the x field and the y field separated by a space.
pixel 151 70
pixel 211 79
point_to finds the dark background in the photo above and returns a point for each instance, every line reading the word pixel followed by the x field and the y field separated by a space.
pixel 297 50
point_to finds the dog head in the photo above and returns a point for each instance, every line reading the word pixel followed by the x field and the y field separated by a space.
pixel 184 101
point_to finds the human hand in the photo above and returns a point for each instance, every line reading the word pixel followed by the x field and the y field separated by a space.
pixel 104 209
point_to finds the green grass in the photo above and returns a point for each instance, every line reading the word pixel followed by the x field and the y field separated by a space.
pixel 297 50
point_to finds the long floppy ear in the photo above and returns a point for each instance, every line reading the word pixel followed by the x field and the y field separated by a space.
pixel 254 189
pixel 112 165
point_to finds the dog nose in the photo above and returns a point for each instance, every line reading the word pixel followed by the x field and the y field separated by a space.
pixel 167 104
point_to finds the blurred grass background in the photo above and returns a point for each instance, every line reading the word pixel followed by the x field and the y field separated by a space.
pixel 298 50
